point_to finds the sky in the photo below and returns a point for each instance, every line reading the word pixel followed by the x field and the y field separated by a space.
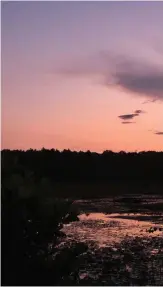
pixel 82 75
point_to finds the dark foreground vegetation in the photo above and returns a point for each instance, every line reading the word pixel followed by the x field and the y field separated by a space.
pixel 30 238
pixel 32 213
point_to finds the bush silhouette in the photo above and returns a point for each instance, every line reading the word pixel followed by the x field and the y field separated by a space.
pixel 31 232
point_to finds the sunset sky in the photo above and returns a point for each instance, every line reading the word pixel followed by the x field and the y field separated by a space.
pixel 82 75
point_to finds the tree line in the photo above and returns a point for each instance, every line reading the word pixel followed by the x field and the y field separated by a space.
pixel 72 166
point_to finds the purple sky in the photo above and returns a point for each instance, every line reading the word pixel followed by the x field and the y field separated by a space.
pixel 70 69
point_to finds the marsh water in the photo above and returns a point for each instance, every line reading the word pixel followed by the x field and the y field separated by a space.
pixel 107 221
pixel 126 232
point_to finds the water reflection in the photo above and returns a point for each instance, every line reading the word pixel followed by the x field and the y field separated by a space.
pixel 108 229
pixel 124 236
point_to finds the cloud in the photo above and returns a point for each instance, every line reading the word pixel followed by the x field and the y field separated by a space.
pixel 126 72
pixel 147 84
pixel 158 133
pixel 126 122
pixel 137 76
pixel 128 116
pixel 139 112
pixel 150 101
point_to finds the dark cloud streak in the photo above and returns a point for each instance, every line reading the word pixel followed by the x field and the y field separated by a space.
pixel 159 133
pixel 139 112
pixel 126 122
pixel 128 116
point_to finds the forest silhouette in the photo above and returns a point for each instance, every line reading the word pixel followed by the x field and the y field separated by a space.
pixel 72 166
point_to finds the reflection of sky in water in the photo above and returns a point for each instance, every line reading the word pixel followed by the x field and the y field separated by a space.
pixel 106 230
pixel 116 229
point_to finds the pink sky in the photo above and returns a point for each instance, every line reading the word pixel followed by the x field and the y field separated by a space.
pixel 56 90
